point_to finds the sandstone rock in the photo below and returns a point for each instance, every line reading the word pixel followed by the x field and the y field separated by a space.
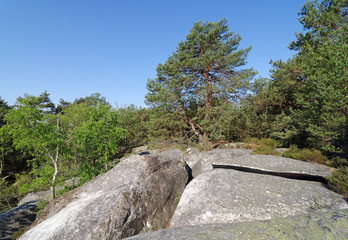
pixel 191 151
pixel 36 197
pixel 140 149
pixel 47 195
pixel 318 225
pixel 226 196
pixel 138 195
pixel 172 153
pixel 16 218
pixel 202 161
pixel 274 164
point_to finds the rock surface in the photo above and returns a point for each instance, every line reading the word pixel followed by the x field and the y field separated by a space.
pixel 318 225
pixel 202 161
pixel 273 164
pixel 138 195
pixel 226 196
pixel 36 197
pixel 16 218
pixel 47 195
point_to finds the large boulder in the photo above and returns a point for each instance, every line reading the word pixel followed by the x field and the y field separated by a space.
pixel 274 165
pixel 318 225
pixel 227 195
pixel 202 161
pixel 16 218
pixel 138 195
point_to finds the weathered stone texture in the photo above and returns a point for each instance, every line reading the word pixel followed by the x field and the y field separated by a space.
pixel 314 226
pixel 226 196
pixel 16 218
pixel 202 161
pixel 138 195
pixel 274 164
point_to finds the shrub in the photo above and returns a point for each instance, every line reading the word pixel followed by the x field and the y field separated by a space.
pixel 41 205
pixel 266 146
pixel 266 150
pixel 338 182
pixel 268 142
pixel 312 156
pixel 305 154
pixel 338 162
pixel 8 196
pixel 262 141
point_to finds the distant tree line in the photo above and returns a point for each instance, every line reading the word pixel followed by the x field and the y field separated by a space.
pixel 202 94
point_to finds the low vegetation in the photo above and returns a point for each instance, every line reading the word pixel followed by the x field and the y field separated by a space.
pixel 265 146
pixel 338 182
pixel 305 154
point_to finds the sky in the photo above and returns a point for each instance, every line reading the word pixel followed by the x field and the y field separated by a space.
pixel 73 48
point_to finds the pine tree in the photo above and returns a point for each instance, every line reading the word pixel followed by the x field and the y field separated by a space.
pixel 204 72
pixel 322 57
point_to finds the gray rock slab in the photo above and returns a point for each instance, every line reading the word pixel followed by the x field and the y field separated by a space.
pixel 140 149
pixel 269 163
pixel 174 153
pixel 16 218
pixel 47 195
pixel 315 226
pixel 226 196
pixel 36 197
pixel 202 161
pixel 138 195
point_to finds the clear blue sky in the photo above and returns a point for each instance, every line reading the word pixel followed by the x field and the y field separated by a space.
pixel 73 48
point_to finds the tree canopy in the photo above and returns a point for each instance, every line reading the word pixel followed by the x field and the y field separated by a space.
pixel 205 71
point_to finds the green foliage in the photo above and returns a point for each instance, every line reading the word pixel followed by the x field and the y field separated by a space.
pixel 8 196
pixel 135 121
pixel 204 72
pixel 262 141
pixel 38 179
pixel 4 108
pixel 99 135
pixel 84 133
pixel 266 146
pixel 19 233
pixel 41 205
pixel 87 172
pixel 305 154
pixel 338 182
pixel 266 150
pixel 322 53
pixel 23 183
pixel 338 162
pixel 305 102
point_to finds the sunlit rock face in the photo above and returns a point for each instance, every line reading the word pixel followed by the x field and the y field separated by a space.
pixel 138 195
pixel 239 187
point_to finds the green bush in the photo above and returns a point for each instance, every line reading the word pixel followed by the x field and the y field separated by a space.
pixel 338 162
pixel 266 150
pixel 266 146
pixel 262 141
pixel 251 140
pixel 41 205
pixel 338 182
pixel 8 196
pixel 268 142
pixel 305 154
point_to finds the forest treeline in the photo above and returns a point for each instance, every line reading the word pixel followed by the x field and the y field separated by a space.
pixel 201 95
